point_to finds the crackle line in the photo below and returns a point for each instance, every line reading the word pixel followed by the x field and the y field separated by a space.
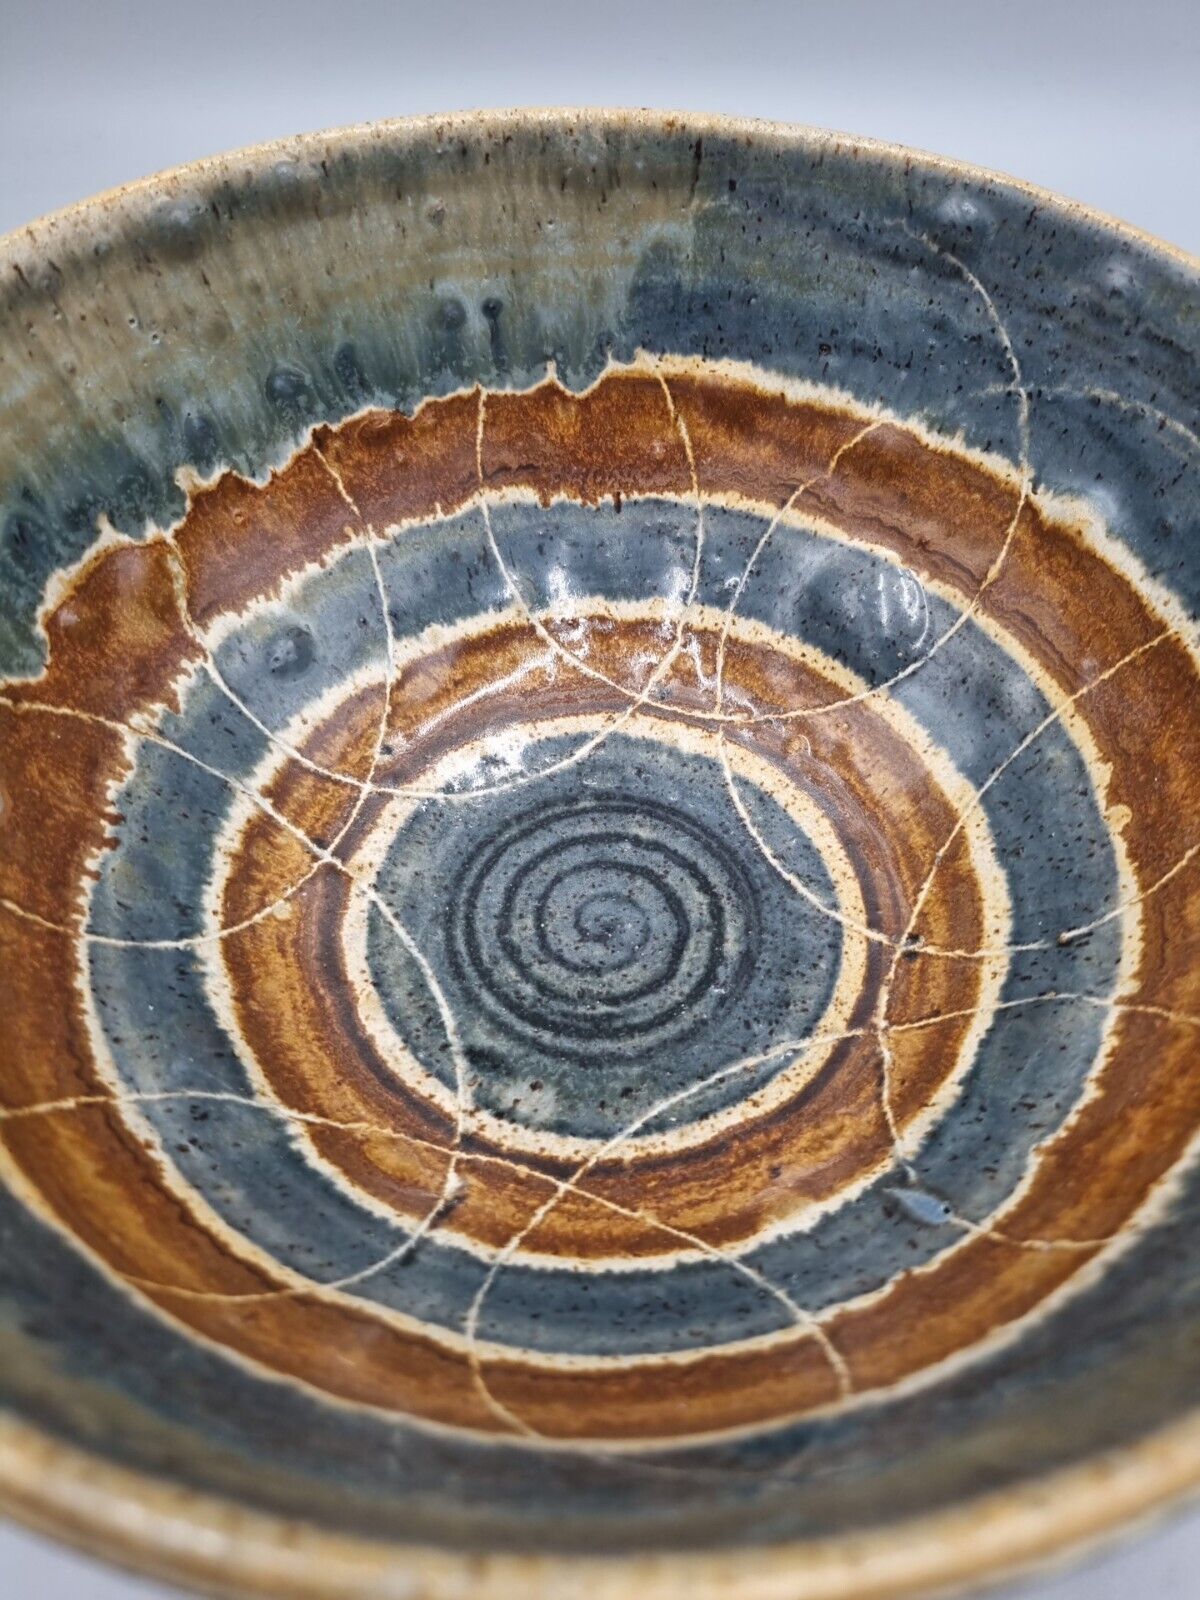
pixel 755 833
pixel 208 664
pixel 323 856
pixel 366 1127
pixel 638 699
pixel 569 1185
pixel 904 945
pixel 416 791
pixel 643 699
pixel 1111 397
pixel 886 1057
pixel 1066 935
pixel 385 1131
pixel 1109 1006
pixel 366 787
pixel 561 1187
pixel 797 493
pixel 1017 388
pixel 793 1046
pixel 1050 997
pixel 1070 935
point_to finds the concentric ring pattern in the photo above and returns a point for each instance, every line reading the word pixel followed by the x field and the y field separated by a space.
pixel 639 935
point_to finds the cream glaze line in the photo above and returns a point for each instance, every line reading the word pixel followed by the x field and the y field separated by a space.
pixel 961 619
pixel 387 1132
pixel 577 755
pixel 899 1144
pixel 288 748
pixel 791 1047
pixel 1184 627
pixel 390 1043
pixel 1176 868
pixel 658 366
pixel 139 730
pixel 701 1249
pixel 452 1183
pixel 927 1024
pixel 905 944
pixel 637 699
pixel 914 1383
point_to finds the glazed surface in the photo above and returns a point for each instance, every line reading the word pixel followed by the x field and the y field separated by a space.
pixel 599 850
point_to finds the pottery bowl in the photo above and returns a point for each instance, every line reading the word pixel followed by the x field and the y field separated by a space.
pixel 599 867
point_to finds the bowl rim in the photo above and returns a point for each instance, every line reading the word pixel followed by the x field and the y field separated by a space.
pixel 137 1520
pixel 215 1546
pixel 249 161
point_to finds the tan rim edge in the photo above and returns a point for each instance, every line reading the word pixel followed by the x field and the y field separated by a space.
pixel 222 1549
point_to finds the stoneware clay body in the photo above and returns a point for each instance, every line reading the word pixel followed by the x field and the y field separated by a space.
pixel 599 867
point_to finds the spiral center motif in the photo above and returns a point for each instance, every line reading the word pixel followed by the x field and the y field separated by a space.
pixel 601 944
pixel 552 922
pixel 612 924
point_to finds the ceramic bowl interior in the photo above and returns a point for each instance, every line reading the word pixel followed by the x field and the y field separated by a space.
pixel 599 867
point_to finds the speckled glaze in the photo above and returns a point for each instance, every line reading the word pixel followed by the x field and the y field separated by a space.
pixel 599 867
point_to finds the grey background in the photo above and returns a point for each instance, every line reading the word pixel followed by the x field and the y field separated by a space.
pixel 1097 100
